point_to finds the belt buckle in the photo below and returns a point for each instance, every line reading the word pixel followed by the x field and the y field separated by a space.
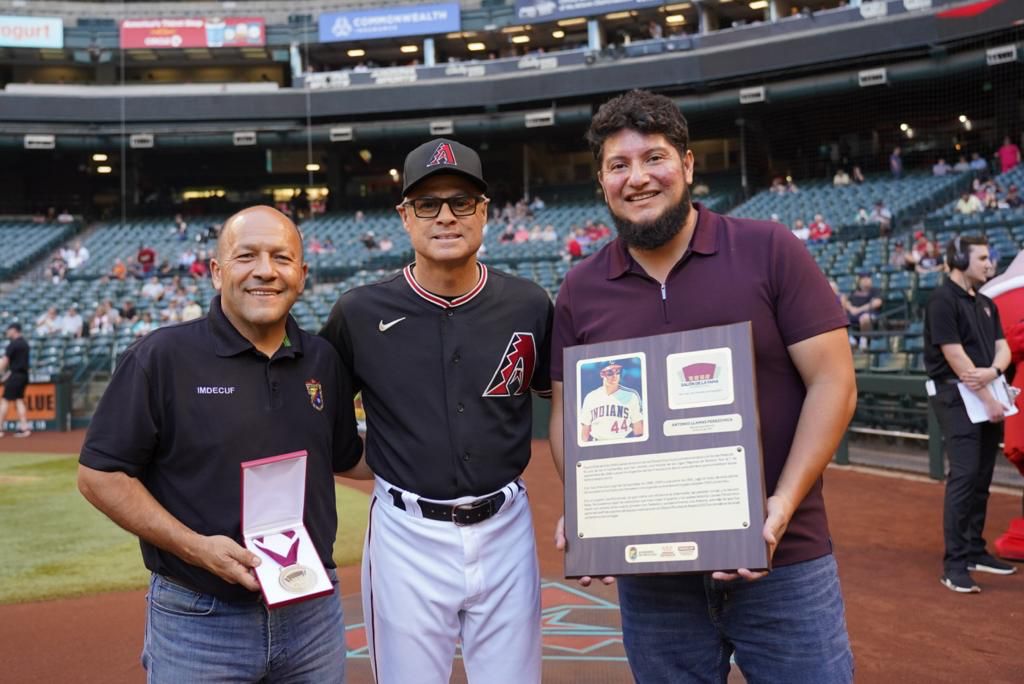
pixel 469 508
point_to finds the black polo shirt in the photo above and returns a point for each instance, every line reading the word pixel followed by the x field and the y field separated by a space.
pixel 189 403
pixel 446 383
pixel 17 356
pixel 955 316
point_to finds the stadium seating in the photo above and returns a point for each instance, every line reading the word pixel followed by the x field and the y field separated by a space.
pixel 24 242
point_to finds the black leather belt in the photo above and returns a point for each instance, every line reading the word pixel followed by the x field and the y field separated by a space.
pixel 469 513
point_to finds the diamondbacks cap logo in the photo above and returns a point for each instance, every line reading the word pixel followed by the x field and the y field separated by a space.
pixel 316 394
pixel 442 156
pixel 515 372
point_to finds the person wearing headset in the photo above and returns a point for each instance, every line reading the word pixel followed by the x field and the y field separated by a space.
pixel 964 343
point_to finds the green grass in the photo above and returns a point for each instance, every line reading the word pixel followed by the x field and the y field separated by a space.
pixel 55 544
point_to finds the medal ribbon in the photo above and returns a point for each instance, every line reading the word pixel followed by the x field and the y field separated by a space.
pixel 286 560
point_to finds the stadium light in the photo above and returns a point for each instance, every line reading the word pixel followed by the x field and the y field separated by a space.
pixel 618 15
pixel 312 167
pixel 675 19
pixel 513 29
pixel 104 169
pixel 572 22
pixel 904 127
pixel 558 34
pixel 678 8
pixel 476 47
pixel 409 48
pixel 356 52
pixel 99 156
pixel 758 5
pixel 963 118
pixel 520 39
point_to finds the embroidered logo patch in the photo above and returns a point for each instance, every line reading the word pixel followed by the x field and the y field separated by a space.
pixel 316 394
pixel 443 155
pixel 515 372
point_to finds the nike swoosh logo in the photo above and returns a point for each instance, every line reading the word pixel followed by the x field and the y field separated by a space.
pixel 383 327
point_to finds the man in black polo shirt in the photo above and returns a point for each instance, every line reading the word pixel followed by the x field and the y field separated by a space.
pixel 446 353
pixel 963 343
pixel 14 364
pixel 186 406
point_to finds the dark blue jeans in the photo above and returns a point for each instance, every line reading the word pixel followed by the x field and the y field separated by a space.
pixel 193 637
pixel 788 627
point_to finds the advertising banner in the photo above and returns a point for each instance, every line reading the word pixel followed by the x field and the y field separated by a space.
pixel 532 11
pixel 390 22
pixel 193 32
pixel 31 32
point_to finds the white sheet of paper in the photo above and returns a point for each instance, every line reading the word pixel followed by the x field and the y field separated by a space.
pixel 976 409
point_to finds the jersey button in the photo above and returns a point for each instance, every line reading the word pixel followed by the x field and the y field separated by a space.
pixel 465 456
pixel 456 358
pixel 460 408
pixel 450 314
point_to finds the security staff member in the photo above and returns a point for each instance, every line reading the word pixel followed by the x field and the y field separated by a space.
pixel 14 365
pixel 964 344
pixel 186 406
pixel 446 353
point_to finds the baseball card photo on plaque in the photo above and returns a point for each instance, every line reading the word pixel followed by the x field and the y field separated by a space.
pixel 665 473
pixel 612 395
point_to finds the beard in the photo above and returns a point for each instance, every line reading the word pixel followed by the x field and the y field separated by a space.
pixel 657 232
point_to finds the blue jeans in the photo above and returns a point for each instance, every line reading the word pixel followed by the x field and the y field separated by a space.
pixel 193 637
pixel 788 627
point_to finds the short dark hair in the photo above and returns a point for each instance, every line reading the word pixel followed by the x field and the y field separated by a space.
pixel 641 111
pixel 14 326
pixel 965 244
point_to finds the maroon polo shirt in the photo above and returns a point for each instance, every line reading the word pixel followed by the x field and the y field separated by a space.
pixel 734 270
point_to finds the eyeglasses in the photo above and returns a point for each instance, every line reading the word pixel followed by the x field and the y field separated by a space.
pixel 430 207
pixel 608 372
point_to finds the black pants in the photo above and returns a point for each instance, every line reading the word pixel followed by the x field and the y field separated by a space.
pixel 971 449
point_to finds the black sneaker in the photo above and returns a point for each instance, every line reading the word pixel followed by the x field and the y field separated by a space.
pixel 994 566
pixel 960 582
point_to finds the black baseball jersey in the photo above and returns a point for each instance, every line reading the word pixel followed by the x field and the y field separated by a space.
pixel 955 316
pixel 446 382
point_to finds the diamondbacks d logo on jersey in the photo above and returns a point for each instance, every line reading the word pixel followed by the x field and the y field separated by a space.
pixel 443 156
pixel 515 372
pixel 316 394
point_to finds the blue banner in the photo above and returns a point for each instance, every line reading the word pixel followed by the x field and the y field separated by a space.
pixel 537 11
pixel 390 22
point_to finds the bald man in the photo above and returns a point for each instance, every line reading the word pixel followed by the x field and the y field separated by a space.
pixel 187 404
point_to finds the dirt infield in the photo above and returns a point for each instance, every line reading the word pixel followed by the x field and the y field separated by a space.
pixel 887 532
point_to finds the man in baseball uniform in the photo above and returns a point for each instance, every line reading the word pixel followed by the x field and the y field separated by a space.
pixel 611 411
pixel 446 353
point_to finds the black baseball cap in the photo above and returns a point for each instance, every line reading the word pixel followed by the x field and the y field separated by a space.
pixel 442 156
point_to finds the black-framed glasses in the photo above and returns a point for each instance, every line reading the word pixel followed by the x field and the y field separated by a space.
pixel 430 207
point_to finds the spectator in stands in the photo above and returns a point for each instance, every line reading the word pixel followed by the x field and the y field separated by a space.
pixel 800 230
pixel 778 185
pixel 1012 200
pixel 313 246
pixel 185 261
pixel 899 257
pixel 856 175
pixel 655 30
pixel 573 248
pixel 145 324
pixel 71 323
pixel 521 235
pixel 968 204
pixel 820 230
pixel 369 240
pixel 931 261
pixel 508 235
pixel 862 218
pixel 1009 155
pixel 65 217
pixel 48 322
pixel 180 230
pixel 536 233
pixel 360 216
pixel 146 259
pixel 76 255
pixel 941 168
pixel 191 311
pixel 200 267
pixel 537 204
pixel 100 323
pixel 896 162
pixel 549 234
pixel 153 290
pixel 128 311
pixel 700 189
pixel 329 247
pixel 964 343
pixel 962 165
pixel 119 271
pixel 385 244
pixel 862 308
pixel 978 163
pixel 841 179
pixel 882 216
pixel 58 268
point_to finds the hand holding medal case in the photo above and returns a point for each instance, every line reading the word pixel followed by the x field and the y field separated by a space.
pixel 273 499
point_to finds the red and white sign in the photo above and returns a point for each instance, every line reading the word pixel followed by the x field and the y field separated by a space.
pixel 193 32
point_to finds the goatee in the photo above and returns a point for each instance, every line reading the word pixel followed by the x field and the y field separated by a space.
pixel 654 234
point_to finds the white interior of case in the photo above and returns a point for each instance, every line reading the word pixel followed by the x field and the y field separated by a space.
pixel 273 499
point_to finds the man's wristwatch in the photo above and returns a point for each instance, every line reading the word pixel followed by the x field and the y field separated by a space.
pixel 998 370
